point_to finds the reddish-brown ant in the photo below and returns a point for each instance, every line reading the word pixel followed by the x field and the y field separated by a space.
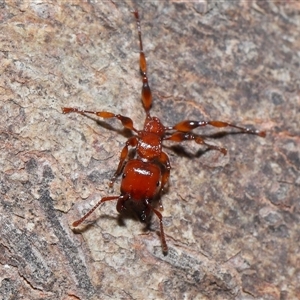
pixel 145 175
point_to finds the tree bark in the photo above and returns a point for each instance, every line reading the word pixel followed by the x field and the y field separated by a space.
pixel 231 222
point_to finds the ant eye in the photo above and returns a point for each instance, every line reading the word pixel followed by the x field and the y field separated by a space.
pixel 124 175
pixel 157 183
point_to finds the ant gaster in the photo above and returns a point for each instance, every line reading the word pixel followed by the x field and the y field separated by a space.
pixel 145 175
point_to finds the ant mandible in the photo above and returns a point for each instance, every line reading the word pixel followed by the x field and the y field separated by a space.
pixel 145 175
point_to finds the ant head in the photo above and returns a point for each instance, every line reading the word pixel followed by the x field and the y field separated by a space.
pixel 141 180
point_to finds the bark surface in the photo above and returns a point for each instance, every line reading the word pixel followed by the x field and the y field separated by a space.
pixel 231 222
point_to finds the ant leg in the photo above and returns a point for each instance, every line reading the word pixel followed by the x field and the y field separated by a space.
pixel 162 233
pixel 164 160
pixel 161 207
pixel 126 122
pixel 120 204
pixel 146 91
pixel 186 126
pixel 78 222
pixel 187 136
pixel 130 142
pixel 166 167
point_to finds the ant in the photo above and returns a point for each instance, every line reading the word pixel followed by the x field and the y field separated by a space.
pixel 145 175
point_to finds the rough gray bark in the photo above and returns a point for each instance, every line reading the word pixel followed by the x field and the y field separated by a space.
pixel 232 222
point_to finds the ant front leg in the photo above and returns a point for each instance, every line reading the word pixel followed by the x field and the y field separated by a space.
pixel 124 153
pixel 161 226
pixel 144 216
pixel 165 170
pixel 78 222
pixel 126 122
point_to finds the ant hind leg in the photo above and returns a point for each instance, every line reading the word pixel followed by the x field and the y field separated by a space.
pixel 126 122
pixel 187 126
pixel 188 136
